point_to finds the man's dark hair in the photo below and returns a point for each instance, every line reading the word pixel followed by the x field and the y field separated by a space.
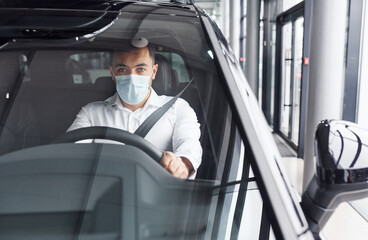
pixel 151 50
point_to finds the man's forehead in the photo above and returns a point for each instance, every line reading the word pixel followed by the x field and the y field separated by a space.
pixel 143 52
pixel 139 57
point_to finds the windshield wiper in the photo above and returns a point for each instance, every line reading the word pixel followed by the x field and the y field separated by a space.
pixel 5 43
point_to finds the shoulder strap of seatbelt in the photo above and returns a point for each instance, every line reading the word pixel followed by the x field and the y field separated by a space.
pixel 146 126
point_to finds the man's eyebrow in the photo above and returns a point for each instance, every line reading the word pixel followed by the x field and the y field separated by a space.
pixel 138 65
pixel 141 65
pixel 120 65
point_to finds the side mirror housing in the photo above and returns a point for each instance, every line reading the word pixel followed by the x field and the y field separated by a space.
pixel 341 170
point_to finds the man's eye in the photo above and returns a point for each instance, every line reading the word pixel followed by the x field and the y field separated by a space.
pixel 122 70
pixel 141 69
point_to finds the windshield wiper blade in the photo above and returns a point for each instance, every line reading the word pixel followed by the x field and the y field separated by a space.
pixel 5 43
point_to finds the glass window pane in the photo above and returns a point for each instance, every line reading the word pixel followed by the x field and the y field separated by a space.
pixel 252 214
pixel 260 64
pixel 87 67
pixel 286 64
pixel 298 55
pixel 53 82
pixel 286 4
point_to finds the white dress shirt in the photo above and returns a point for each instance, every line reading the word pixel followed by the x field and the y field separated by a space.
pixel 177 130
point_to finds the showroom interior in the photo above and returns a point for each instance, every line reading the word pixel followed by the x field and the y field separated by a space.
pixel 305 62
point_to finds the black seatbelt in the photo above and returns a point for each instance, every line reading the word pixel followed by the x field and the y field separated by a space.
pixel 146 126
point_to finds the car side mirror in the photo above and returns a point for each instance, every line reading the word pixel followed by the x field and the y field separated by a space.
pixel 341 170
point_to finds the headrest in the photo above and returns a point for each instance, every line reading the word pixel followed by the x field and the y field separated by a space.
pixel 105 84
pixel 165 80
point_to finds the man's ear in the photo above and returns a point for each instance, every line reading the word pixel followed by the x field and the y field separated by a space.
pixel 112 74
pixel 155 68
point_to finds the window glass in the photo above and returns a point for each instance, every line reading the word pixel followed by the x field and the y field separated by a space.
pixel 236 206
pixel 297 75
pixel 286 4
pixel 87 67
pixel 251 221
pixel 43 87
pixel 260 64
pixel 178 65
pixel 286 55
pixel 218 10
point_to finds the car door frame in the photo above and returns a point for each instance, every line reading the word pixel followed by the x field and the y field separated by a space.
pixel 273 184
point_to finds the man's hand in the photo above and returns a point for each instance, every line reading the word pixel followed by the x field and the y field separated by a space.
pixel 179 167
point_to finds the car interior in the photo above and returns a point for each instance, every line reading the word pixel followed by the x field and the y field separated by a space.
pixel 109 190
pixel 42 103
pixel 52 87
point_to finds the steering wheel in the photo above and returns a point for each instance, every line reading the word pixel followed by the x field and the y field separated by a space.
pixel 114 134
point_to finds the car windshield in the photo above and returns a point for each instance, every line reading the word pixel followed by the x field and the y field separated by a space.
pixel 45 83
pixel 106 189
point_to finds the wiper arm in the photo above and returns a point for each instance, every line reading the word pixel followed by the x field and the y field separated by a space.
pixel 7 42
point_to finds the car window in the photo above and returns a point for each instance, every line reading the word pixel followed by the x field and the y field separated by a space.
pixel 178 65
pixel 88 67
pixel 44 86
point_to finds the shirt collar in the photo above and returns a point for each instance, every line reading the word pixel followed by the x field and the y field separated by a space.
pixel 114 101
pixel 153 100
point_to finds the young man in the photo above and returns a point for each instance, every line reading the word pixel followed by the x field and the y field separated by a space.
pixel 176 133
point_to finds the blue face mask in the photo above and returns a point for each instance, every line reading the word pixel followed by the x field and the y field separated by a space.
pixel 132 89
